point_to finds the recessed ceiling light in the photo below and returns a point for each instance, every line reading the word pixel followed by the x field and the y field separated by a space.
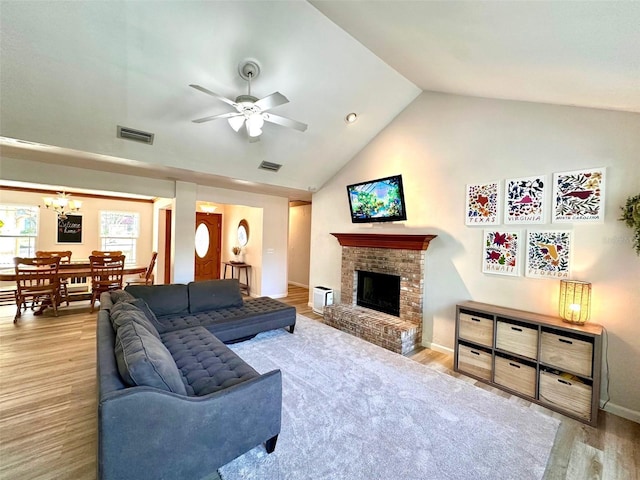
pixel 351 117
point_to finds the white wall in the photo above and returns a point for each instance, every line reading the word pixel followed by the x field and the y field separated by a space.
pixel 183 233
pixel 271 272
pixel 50 174
pixel 253 251
pixel 299 244
pixel 442 142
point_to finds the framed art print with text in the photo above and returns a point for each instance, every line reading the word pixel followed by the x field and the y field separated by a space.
pixel 578 196
pixel 548 254
pixel 482 203
pixel 501 252
pixel 70 229
pixel 524 200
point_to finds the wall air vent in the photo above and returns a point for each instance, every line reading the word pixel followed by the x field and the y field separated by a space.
pixel 135 135
pixel 272 167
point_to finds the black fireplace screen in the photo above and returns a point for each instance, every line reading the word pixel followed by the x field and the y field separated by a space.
pixel 379 291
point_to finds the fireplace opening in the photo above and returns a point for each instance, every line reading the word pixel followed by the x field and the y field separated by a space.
pixel 379 291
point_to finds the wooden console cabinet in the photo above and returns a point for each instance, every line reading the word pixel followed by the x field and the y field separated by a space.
pixel 537 357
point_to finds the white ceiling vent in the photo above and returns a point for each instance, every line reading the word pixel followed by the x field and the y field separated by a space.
pixel 135 135
pixel 272 167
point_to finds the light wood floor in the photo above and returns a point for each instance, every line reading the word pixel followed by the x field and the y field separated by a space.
pixel 48 404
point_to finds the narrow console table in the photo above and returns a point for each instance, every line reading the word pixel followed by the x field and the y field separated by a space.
pixel 537 357
pixel 241 267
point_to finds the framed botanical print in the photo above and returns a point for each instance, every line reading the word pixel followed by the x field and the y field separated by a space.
pixel 524 200
pixel 548 254
pixel 482 204
pixel 501 252
pixel 578 196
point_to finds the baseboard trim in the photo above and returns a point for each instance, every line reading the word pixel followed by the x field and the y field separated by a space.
pixel 298 284
pixel 278 295
pixel 623 412
pixel 438 348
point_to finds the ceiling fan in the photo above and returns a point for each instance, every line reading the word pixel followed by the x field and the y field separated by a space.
pixel 251 112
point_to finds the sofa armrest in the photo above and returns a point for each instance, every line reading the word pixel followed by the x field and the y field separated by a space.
pixel 145 433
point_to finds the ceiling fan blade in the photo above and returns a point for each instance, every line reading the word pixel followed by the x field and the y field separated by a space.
pixel 219 97
pixel 213 117
pixel 285 122
pixel 271 101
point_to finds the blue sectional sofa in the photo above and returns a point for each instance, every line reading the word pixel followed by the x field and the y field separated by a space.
pixel 174 402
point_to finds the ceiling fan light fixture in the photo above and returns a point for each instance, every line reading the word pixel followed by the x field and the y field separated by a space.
pixel 236 122
pixel 254 124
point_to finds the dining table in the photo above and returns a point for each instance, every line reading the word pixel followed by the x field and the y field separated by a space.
pixel 78 270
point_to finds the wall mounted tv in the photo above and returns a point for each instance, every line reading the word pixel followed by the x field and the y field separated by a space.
pixel 379 200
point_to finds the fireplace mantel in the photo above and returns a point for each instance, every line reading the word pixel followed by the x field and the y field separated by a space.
pixel 384 240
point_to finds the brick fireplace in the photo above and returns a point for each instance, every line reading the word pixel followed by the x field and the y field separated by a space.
pixel 402 255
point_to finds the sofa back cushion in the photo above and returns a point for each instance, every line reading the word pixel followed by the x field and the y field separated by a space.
pixel 163 299
pixel 144 361
pixel 144 307
pixel 125 312
pixel 214 294
pixel 118 296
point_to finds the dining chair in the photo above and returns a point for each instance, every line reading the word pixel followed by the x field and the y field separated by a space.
pixel 106 274
pixel 106 253
pixel 145 278
pixel 65 257
pixel 36 280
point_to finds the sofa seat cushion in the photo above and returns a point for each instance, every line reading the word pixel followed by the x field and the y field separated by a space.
pixel 144 361
pixel 261 308
pixel 206 364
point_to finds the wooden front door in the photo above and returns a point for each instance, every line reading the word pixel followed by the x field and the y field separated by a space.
pixel 207 248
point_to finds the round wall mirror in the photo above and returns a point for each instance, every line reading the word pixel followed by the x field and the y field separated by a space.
pixel 243 233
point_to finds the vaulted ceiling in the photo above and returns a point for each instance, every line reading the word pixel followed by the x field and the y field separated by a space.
pixel 70 72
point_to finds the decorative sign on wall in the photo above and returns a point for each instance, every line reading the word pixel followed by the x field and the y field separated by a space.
pixel 501 252
pixel 579 196
pixel 70 229
pixel 548 253
pixel 524 200
pixel 482 204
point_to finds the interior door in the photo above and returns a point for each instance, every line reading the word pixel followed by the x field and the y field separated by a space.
pixel 207 247
pixel 167 246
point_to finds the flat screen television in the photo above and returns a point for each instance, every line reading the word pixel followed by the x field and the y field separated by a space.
pixel 379 200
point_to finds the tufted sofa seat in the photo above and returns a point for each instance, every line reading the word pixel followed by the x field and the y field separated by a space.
pixel 232 323
pixel 205 363
pixel 174 402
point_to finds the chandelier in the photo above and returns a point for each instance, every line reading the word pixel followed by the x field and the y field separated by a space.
pixel 62 204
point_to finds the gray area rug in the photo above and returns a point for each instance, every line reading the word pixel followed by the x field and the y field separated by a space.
pixel 352 410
